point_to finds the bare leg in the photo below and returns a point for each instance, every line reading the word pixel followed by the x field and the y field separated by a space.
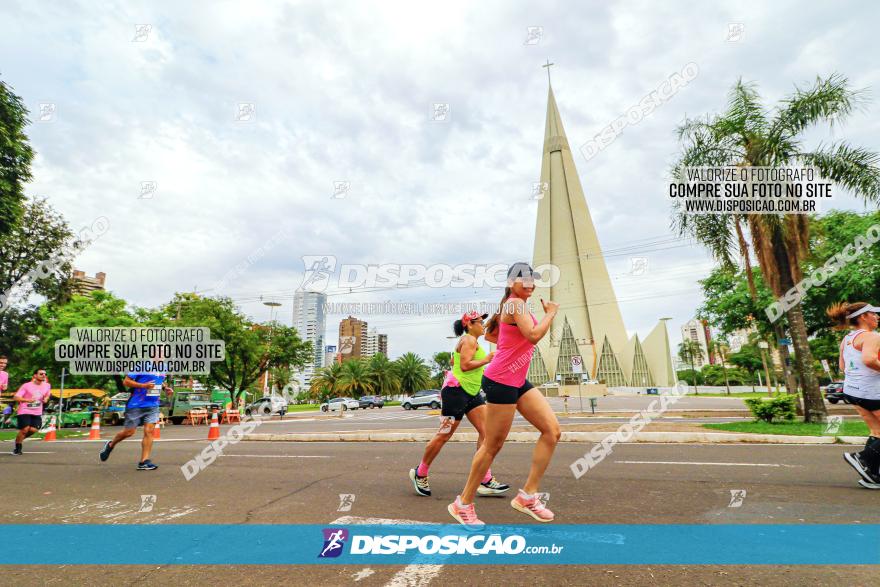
pixel 477 418
pixel 147 442
pixel 448 426
pixel 534 408
pixel 499 418
pixel 121 435
pixel 872 419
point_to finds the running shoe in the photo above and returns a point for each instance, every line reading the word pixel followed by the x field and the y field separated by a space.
pixel 147 465
pixel 420 483
pixel 492 487
pixel 105 452
pixel 16 452
pixel 854 460
pixel 531 506
pixel 465 515
pixel 867 485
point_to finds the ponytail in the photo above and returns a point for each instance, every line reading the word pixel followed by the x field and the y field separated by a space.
pixel 839 312
pixel 493 322
pixel 458 328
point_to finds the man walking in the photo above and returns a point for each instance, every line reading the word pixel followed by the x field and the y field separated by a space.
pixel 142 409
pixel 30 397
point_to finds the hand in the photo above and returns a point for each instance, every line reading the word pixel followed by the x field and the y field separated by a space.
pixel 490 356
pixel 549 307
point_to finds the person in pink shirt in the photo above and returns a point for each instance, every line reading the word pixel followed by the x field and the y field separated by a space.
pixel 4 376
pixel 30 397
pixel 516 332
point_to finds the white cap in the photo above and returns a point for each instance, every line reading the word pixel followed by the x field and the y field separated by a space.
pixel 860 311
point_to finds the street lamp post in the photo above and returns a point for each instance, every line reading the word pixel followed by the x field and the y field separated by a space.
pixel 272 306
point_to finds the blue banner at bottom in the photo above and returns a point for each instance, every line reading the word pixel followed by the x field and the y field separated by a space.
pixel 270 544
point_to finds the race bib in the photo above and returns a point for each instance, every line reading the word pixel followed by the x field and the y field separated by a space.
pixel 34 404
pixel 154 392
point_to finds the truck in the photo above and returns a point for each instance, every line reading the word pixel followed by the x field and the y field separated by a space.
pixel 176 405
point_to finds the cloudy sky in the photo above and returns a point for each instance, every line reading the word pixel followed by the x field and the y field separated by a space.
pixel 144 124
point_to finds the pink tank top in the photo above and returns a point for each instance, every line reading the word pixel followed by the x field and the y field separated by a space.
pixel 450 380
pixel 512 357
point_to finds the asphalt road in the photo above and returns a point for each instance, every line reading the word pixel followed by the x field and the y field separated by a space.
pixel 294 483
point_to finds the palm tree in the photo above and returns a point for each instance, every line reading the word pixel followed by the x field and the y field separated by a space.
pixel 356 378
pixel 719 347
pixel 688 350
pixel 326 382
pixel 746 135
pixel 383 375
pixel 413 373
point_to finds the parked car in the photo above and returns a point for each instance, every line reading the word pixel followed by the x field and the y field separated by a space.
pixel 834 392
pixel 371 401
pixel 266 406
pixel 426 397
pixel 181 402
pixel 340 403
pixel 114 414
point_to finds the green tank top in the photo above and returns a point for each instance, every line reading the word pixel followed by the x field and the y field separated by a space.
pixel 472 380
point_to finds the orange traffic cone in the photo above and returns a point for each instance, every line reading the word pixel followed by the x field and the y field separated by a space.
pixel 214 430
pixel 50 433
pixel 156 429
pixel 95 432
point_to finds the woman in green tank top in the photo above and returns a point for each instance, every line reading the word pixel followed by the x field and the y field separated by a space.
pixel 461 397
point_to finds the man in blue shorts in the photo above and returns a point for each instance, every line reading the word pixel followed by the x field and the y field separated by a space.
pixel 142 409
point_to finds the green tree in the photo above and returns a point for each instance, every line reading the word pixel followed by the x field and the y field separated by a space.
pixel 383 375
pixel 326 382
pixel 16 156
pixel 745 135
pixel 250 348
pixel 414 374
pixel 688 351
pixel 440 363
pixel 356 378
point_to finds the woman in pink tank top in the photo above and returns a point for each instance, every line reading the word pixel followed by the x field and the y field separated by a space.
pixel 516 332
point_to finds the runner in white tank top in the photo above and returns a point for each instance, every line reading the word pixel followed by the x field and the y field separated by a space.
pixel 860 363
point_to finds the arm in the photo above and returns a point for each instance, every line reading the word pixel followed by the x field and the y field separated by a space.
pixel 492 336
pixel 870 350
pixel 468 348
pixel 129 382
pixel 841 366
pixel 532 332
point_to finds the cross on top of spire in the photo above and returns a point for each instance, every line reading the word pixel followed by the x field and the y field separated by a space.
pixel 547 65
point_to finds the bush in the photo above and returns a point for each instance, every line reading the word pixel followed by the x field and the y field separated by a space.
pixel 781 407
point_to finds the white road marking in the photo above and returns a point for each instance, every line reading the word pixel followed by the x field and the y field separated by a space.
pixel 38 452
pixel 281 456
pixel 410 575
pixel 710 464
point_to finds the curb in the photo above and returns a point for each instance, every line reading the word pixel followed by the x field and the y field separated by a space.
pixel 654 437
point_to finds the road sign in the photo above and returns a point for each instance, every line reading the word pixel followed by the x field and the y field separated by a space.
pixel 785 341
pixel 577 364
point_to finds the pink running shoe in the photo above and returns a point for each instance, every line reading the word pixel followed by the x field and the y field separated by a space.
pixel 533 507
pixel 465 515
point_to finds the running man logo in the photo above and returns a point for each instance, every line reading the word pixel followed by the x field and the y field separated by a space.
pixel 147 503
pixel 334 542
pixel 833 424
pixel 318 270
pixel 346 500
pixel 737 497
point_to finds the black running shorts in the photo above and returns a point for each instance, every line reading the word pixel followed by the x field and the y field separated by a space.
pixel 498 393
pixel 872 405
pixel 456 402
pixel 28 420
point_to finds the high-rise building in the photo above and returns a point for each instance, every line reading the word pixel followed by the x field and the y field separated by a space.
pixel 375 343
pixel 352 338
pixel 589 323
pixel 83 284
pixel 698 332
pixel 310 323
pixel 329 355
